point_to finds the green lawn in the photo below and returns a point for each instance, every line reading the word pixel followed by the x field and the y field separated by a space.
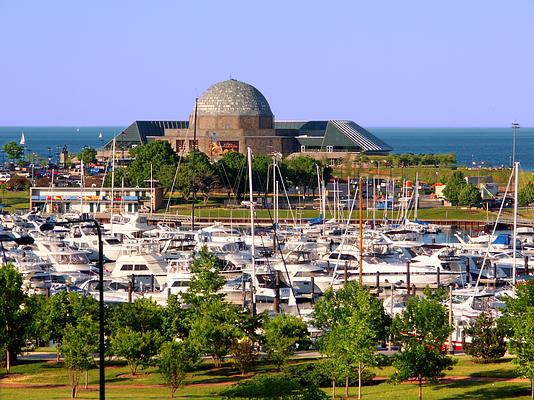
pixel 14 200
pixel 441 213
pixel 207 383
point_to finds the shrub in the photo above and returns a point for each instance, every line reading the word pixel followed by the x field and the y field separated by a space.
pixel 316 374
pixel 487 339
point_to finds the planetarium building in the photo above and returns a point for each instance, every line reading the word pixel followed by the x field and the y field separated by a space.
pixel 233 115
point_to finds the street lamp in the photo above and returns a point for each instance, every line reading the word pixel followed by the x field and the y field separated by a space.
pixel 515 126
pixel 48 226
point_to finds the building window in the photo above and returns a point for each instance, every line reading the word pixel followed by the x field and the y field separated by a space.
pixel 302 148
pixel 329 149
pixel 180 145
pixel 193 144
pixel 332 162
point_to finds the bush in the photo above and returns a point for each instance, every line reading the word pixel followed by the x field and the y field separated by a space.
pixel 263 387
pixel 487 339
pixel 273 387
pixel 316 374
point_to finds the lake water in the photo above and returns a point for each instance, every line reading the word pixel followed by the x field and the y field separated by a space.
pixel 481 146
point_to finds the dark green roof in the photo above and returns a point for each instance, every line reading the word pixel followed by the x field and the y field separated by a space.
pixel 138 132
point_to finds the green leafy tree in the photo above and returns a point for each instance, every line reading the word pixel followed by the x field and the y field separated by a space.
pixel 196 175
pixel 487 339
pixel 521 343
pixel 176 318
pixel 469 196
pixel 303 171
pixel 283 335
pixel 153 155
pixel 261 167
pixel 13 150
pixel 120 178
pixel 137 348
pixel 206 280
pixel 526 195
pixel 174 361
pixel 213 329
pixel 61 310
pixel 455 184
pixel 11 309
pixel 232 171
pixel 143 315
pixel 518 320
pixel 353 321
pixel 87 155
pixel 79 344
pixel 421 329
pixel 243 353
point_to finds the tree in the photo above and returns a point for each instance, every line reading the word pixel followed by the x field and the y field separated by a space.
pixel 284 334
pixel 469 196
pixel 206 280
pixel 13 150
pixel 79 343
pixel 137 348
pixel 87 155
pixel 17 183
pixel 303 171
pixel 11 300
pixel 261 167
pixel 213 329
pixel 455 183
pixel 232 171
pixel 120 178
pixel 353 321
pixel 521 343
pixel 61 310
pixel 174 361
pixel 153 155
pixel 526 195
pixel 487 339
pixel 244 354
pixel 143 315
pixel 196 175
pixel 422 329
pixel 518 319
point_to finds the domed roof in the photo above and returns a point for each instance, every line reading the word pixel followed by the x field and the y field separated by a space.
pixel 233 97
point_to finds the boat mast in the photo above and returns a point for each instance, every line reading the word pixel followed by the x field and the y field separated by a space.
pixel 253 248
pixel 194 148
pixel 416 204
pixel 514 236
pixel 112 184
pixel 360 271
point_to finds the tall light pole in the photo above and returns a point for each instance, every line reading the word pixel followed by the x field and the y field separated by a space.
pixel 515 126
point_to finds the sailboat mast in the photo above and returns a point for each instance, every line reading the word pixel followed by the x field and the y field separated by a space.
pixel 360 270
pixel 514 236
pixel 416 205
pixel 253 247
pixel 112 184
pixel 194 148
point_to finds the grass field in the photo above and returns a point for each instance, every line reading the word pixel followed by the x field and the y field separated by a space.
pixel 48 380
pixel 14 200
pixel 442 213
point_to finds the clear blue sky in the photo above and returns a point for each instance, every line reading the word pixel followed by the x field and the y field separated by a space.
pixel 379 63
